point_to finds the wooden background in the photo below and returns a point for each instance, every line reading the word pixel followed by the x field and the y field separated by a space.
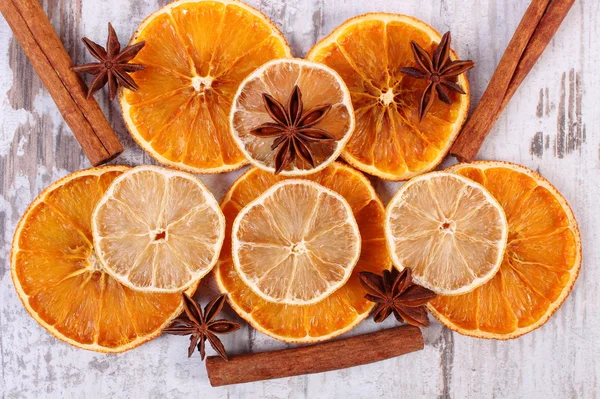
pixel 549 126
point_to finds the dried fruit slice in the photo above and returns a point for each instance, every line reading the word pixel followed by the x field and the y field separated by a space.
pixel 61 282
pixel 309 104
pixel 157 230
pixel 342 310
pixel 296 244
pixel 448 230
pixel 541 262
pixel 197 52
pixel 389 141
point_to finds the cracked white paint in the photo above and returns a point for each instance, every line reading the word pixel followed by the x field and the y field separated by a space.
pixel 557 361
pixel 10 118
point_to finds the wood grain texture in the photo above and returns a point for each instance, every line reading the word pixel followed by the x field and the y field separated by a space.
pixel 544 128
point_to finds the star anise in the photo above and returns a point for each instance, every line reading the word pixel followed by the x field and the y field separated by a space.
pixel 440 70
pixel 201 326
pixel 293 128
pixel 394 292
pixel 114 65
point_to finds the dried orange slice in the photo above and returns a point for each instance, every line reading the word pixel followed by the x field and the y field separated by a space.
pixel 448 230
pixel 296 244
pixel 342 310
pixel 541 263
pixel 389 141
pixel 60 281
pixel 196 54
pixel 313 107
pixel 157 230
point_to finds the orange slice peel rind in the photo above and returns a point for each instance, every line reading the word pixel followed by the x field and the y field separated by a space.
pixel 541 264
pixel 196 54
pixel 368 51
pixel 62 284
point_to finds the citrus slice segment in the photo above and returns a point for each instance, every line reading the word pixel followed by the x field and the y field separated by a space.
pixel 61 282
pixel 368 52
pixel 318 86
pixel 296 244
pixel 340 311
pixel 157 230
pixel 196 54
pixel 541 262
pixel 448 230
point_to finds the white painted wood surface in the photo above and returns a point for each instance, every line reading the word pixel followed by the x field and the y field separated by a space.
pixel 549 126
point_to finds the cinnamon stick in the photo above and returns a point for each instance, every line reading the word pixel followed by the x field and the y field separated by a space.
pixel 52 63
pixel 326 356
pixel 536 29
pixel 549 24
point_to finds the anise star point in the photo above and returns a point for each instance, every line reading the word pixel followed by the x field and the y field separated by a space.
pixel 113 66
pixel 293 129
pixel 202 326
pixel 394 292
pixel 440 70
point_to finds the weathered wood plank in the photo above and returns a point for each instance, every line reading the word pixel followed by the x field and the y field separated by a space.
pixel 545 127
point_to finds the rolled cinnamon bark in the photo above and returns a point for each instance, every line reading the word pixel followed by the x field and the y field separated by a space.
pixel 326 356
pixel 553 17
pixel 492 102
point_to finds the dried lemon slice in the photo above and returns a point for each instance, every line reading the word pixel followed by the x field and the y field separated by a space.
pixel 307 125
pixel 450 231
pixel 296 244
pixel 158 230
